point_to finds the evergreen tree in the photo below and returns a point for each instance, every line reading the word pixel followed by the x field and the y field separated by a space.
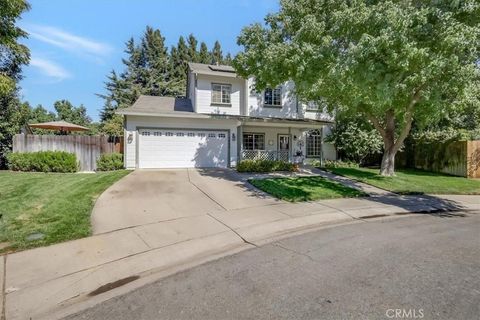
pixel 217 55
pixel 180 59
pixel 204 56
pixel 156 68
pixel 227 60
pixel 192 49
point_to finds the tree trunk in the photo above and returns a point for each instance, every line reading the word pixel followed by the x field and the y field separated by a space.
pixel 387 167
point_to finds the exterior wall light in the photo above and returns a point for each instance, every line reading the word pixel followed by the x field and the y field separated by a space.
pixel 233 136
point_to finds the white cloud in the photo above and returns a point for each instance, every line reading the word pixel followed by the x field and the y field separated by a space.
pixel 50 68
pixel 68 41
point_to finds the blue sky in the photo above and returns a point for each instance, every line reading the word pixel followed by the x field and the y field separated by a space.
pixel 74 44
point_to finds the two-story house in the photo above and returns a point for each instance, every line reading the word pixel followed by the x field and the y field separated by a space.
pixel 222 121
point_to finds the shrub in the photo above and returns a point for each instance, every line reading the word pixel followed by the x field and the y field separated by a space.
pixel 340 164
pixel 264 166
pixel 43 161
pixel 110 161
pixel 355 139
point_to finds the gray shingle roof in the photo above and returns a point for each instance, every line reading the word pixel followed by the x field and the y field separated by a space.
pixel 159 105
pixel 211 69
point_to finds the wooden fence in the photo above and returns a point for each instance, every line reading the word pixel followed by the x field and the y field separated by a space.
pixel 87 148
pixel 458 158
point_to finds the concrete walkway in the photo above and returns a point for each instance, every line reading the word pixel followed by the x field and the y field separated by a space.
pixel 165 232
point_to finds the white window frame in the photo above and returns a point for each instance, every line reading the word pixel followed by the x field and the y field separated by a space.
pixel 276 96
pixel 254 135
pixel 312 106
pixel 314 137
pixel 225 90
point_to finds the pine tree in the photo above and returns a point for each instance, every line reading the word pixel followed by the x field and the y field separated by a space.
pixel 204 56
pixel 156 64
pixel 180 58
pixel 192 49
pixel 227 60
pixel 217 55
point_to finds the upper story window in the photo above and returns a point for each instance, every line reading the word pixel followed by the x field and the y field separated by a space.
pixel 272 97
pixel 221 93
pixel 312 106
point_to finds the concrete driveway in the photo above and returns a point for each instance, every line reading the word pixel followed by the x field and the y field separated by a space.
pixel 150 196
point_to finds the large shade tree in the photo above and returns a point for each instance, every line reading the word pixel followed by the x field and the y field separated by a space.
pixel 391 62
pixel 13 56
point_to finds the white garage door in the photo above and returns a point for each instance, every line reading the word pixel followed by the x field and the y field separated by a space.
pixel 165 148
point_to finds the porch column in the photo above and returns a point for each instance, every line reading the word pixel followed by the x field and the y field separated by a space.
pixel 239 142
pixel 290 145
pixel 321 147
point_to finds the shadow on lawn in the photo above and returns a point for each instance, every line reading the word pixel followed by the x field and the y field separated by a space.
pixel 286 190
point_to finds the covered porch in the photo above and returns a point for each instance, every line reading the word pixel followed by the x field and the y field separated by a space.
pixel 290 140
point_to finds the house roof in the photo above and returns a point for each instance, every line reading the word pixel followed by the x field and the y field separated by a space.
pixel 153 105
pixel 212 69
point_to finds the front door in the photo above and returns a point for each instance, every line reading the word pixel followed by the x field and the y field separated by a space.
pixel 283 147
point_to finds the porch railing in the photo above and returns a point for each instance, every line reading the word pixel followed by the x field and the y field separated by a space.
pixel 281 155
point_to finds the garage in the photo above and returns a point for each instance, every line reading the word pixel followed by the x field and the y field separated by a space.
pixel 186 148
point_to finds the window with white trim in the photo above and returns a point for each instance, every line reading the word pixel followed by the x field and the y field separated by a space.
pixel 221 93
pixel 146 133
pixel 212 135
pixel 314 144
pixel 254 141
pixel 312 106
pixel 272 97
pixel 222 135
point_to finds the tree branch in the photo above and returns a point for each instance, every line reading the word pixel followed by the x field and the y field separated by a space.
pixel 376 123
pixel 408 119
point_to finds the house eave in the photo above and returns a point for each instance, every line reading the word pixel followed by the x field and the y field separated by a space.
pixel 244 120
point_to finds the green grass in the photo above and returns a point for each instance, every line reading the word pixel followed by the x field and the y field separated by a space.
pixel 55 204
pixel 410 181
pixel 304 188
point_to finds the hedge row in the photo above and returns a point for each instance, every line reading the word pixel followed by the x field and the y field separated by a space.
pixel 43 161
pixel 264 166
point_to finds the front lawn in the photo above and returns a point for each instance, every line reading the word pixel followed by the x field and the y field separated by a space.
pixel 38 209
pixel 411 181
pixel 304 188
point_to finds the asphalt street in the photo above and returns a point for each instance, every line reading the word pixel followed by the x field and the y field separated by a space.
pixel 412 267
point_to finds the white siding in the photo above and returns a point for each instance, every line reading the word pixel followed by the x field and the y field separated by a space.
pixel 329 151
pixel 204 94
pixel 316 115
pixel 256 107
pixel 135 122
